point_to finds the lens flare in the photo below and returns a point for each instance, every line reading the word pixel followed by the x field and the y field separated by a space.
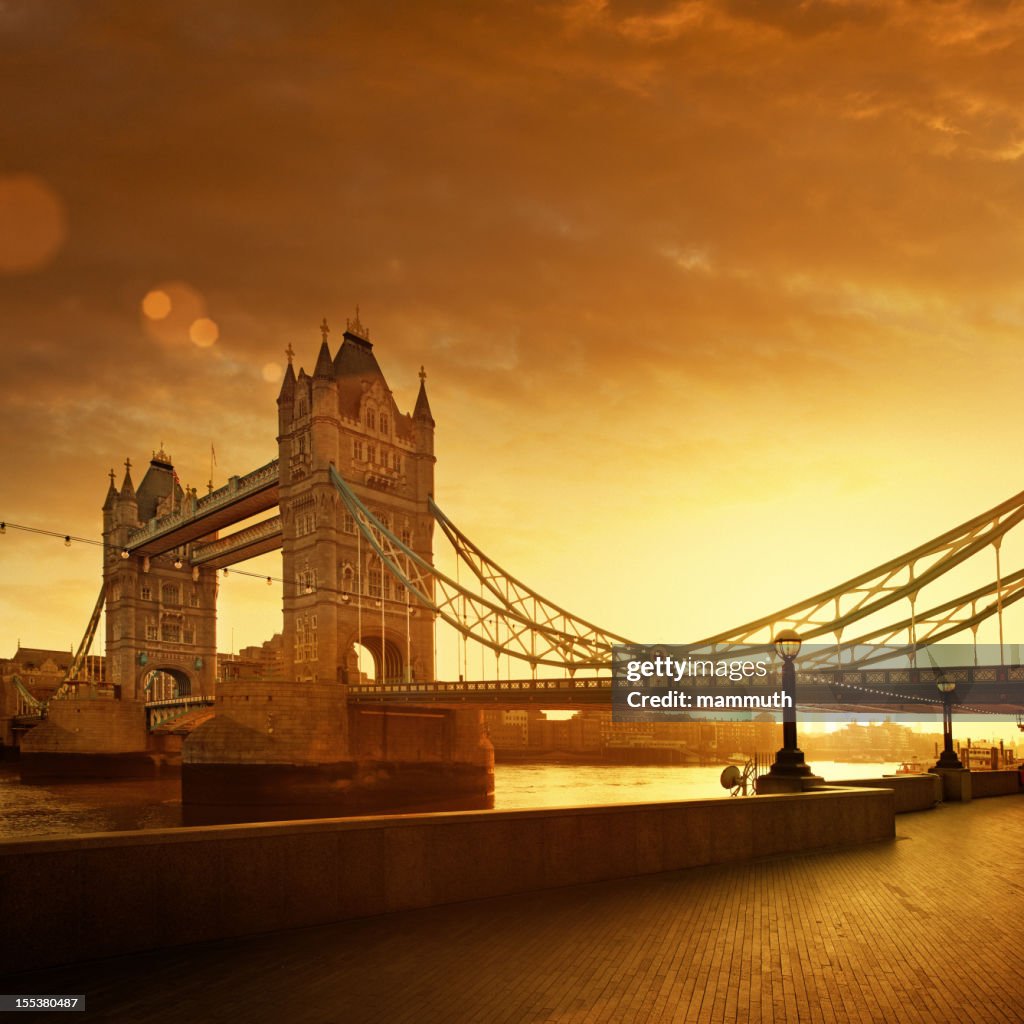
pixel 169 310
pixel 33 225
pixel 204 332
pixel 157 304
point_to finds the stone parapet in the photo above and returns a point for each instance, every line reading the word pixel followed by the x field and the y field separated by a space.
pixel 89 727
pixel 272 722
pixel 911 792
pixel 104 895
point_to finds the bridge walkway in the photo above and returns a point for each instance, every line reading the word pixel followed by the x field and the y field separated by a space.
pixel 922 930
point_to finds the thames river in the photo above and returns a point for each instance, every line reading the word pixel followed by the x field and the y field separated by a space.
pixel 76 808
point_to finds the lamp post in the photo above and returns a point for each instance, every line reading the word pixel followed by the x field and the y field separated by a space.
pixel 789 761
pixel 948 759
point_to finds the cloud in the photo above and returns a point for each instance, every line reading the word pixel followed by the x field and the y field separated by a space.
pixel 624 238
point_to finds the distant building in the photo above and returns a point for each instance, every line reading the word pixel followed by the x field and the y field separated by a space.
pixel 42 670
pixel 509 730
pixel 263 662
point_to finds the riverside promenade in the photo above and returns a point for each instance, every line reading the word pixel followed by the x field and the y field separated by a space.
pixel 928 927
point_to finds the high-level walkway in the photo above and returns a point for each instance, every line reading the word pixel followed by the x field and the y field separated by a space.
pixel 926 928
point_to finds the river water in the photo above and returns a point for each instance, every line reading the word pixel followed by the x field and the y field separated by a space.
pixel 76 808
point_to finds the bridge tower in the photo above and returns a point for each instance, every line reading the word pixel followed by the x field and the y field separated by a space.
pixel 337 593
pixel 161 615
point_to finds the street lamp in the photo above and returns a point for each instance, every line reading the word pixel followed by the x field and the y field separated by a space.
pixel 947 760
pixel 789 761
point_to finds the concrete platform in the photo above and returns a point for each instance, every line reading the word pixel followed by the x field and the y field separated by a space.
pixel 924 928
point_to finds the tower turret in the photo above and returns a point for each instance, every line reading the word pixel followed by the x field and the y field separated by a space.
pixel 286 396
pixel 127 504
pixel 423 424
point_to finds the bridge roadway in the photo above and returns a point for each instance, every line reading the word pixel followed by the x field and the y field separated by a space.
pixel 919 929
pixel 903 691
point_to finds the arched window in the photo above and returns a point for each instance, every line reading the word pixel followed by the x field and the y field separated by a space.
pixel 383 423
pixel 371 419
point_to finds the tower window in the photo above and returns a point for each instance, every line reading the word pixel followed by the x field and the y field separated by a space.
pixel 383 423
pixel 371 419
pixel 371 453
pixel 357 450
pixel 146 594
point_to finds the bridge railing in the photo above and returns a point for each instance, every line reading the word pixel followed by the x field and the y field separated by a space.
pixel 464 690
pixel 162 712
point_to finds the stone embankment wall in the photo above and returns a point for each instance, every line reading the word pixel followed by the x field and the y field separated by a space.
pixel 102 895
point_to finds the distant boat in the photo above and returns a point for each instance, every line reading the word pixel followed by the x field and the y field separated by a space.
pixel 737 759
pixel 912 768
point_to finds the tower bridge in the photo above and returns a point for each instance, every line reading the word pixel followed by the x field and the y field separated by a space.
pixel 349 501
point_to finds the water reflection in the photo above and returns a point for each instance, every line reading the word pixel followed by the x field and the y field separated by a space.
pixel 92 806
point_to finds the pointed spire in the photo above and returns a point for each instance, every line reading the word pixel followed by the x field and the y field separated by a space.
pixel 288 383
pixel 127 487
pixel 111 494
pixel 422 410
pixel 324 363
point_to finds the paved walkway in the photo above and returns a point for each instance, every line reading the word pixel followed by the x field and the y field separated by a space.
pixel 928 928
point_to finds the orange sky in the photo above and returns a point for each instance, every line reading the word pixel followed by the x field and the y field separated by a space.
pixel 719 302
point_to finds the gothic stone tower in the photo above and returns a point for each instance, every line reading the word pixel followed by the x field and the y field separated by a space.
pixel 161 614
pixel 335 595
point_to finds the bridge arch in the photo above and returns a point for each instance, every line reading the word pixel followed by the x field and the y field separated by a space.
pixel 385 654
pixel 164 682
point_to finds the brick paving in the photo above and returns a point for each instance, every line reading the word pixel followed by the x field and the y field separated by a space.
pixel 927 928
